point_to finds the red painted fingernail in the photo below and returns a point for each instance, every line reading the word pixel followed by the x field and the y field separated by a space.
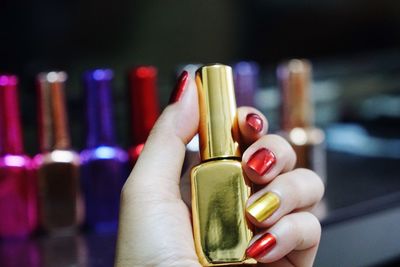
pixel 262 246
pixel 261 161
pixel 255 122
pixel 179 88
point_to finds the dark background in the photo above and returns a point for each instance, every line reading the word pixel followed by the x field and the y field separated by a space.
pixel 76 35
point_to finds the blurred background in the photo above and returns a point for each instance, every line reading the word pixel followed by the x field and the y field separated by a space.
pixel 355 50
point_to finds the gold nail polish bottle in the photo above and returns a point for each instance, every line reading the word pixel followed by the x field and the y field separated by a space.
pixel 219 188
pixel 297 121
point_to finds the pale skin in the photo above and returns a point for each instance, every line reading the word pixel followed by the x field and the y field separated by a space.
pixel 155 224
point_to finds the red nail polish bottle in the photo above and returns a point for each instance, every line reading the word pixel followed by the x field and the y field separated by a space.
pixel 18 205
pixel 144 106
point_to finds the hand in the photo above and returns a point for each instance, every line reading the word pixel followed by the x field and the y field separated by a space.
pixel 155 224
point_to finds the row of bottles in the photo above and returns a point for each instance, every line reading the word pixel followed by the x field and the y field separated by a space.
pixel 59 189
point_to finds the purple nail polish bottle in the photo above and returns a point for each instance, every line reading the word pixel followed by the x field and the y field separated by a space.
pixel 104 165
pixel 18 194
pixel 246 82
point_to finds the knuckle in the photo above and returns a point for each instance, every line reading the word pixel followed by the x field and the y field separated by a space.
pixel 314 225
pixel 318 187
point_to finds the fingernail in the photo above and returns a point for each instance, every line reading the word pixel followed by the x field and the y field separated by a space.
pixel 179 88
pixel 262 246
pixel 261 161
pixel 254 121
pixel 264 206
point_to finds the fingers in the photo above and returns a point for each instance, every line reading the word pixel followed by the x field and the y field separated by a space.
pixel 150 200
pixel 298 231
pixel 252 124
pixel 267 157
pixel 295 190
pixel 159 165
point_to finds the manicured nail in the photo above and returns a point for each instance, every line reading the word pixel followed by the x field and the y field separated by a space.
pixel 264 206
pixel 255 122
pixel 261 161
pixel 179 88
pixel 262 246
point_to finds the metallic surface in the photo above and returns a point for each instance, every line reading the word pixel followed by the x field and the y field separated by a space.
pixel 103 172
pixel 264 206
pixel 104 166
pixel 294 81
pixel 219 195
pixel 246 82
pixel 255 122
pixel 218 129
pixel 219 188
pixel 261 161
pixel 309 145
pixel 98 88
pixel 144 102
pixel 60 199
pixel 298 116
pixel 180 87
pixel 10 126
pixel 53 126
pixel 261 246
pixel 18 204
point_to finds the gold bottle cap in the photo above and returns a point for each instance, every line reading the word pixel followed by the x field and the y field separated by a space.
pixel 294 79
pixel 218 128
pixel 52 111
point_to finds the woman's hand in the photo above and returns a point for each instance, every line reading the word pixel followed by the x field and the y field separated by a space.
pixel 155 224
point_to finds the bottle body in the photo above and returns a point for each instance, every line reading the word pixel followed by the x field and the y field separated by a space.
pixel 104 171
pixel 60 199
pixel 310 147
pixel 18 203
pixel 219 195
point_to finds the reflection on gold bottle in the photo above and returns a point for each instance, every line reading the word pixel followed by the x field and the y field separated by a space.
pixel 297 121
pixel 219 188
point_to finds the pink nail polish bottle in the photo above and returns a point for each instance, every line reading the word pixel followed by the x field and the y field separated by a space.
pixel 18 204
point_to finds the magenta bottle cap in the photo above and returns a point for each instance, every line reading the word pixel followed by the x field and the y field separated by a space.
pixel 10 126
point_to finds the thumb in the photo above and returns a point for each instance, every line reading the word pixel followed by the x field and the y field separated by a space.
pixel 157 172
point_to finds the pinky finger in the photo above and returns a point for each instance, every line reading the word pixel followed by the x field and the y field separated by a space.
pixel 296 236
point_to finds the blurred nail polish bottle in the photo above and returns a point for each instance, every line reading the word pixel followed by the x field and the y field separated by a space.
pixel 104 164
pixel 297 116
pixel 60 199
pixel 144 106
pixel 219 188
pixel 18 195
pixel 246 82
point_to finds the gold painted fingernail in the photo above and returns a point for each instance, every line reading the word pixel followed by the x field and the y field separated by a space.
pixel 264 206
